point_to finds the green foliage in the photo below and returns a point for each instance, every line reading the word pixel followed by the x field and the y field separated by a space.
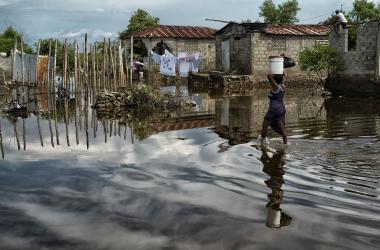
pixel 8 38
pixel 282 13
pixel 364 11
pixel 321 60
pixel 139 21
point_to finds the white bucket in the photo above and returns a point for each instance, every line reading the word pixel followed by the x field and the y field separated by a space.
pixel 276 65
pixel 273 218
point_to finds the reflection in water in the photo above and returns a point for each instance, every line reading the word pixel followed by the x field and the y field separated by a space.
pixel 190 180
pixel 274 167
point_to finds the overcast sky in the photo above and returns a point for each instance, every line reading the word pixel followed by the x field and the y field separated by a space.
pixel 99 18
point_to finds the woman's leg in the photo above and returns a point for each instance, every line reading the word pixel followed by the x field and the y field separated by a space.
pixel 283 132
pixel 264 129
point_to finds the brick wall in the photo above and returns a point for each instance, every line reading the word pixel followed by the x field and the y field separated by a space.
pixel 249 52
pixel 267 45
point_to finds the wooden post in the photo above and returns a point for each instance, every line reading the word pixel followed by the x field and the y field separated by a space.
pixel 16 133
pixel 126 62
pixel 104 65
pixel 64 63
pixel 85 61
pixel 121 66
pixel 75 66
pixel 131 60
pixel 49 68
pixel 14 62
pixel 1 143
pixel 112 66
pixel 23 133
pixel 37 61
pixel 94 69
pixel 22 62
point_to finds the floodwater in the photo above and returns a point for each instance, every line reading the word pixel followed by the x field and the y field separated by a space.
pixel 191 180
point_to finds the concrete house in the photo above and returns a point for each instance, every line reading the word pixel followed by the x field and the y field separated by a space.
pixel 360 72
pixel 244 48
pixel 189 39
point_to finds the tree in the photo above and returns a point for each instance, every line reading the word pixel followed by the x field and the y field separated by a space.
pixel 8 38
pixel 321 60
pixel 364 11
pixel 282 13
pixel 139 21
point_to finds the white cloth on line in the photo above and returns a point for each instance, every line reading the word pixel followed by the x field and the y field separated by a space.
pixel 168 65
pixel 156 57
pixel 183 64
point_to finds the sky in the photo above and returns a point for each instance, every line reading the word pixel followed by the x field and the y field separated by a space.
pixel 99 18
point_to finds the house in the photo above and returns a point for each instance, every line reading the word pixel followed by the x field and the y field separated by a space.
pixel 359 74
pixel 190 39
pixel 244 48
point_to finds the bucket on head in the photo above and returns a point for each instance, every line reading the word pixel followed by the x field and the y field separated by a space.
pixel 276 65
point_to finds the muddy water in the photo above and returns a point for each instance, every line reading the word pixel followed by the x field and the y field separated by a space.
pixel 194 180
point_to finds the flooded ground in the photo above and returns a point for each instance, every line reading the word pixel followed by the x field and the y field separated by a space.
pixel 72 179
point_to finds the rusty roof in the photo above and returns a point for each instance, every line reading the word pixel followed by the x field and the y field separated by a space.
pixel 171 31
pixel 298 29
pixel 284 29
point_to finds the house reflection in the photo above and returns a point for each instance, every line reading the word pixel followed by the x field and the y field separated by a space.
pixel 235 119
pixel 352 117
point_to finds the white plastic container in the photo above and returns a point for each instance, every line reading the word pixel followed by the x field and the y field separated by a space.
pixel 273 218
pixel 276 65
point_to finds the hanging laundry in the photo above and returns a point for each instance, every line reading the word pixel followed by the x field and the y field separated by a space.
pixel 167 64
pixel 156 57
pixel 195 62
pixel 183 64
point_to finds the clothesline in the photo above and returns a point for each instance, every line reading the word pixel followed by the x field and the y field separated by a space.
pixel 186 63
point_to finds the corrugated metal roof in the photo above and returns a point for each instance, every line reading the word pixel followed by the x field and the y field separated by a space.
pixel 170 31
pixel 284 29
pixel 298 29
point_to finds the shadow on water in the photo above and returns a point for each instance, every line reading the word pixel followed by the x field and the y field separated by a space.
pixel 73 178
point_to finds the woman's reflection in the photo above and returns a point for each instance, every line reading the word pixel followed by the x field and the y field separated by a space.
pixel 273 166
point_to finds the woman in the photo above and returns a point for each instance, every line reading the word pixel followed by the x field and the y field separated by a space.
pixel 275 117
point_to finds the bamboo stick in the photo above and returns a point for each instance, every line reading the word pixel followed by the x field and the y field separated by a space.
pixel 38 120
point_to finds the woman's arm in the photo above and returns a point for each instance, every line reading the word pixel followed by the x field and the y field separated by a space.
pixel 273 83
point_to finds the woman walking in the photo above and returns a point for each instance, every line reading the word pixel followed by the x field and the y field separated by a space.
pixel 275 117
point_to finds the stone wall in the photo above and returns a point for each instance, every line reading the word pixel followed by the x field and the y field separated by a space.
pixel 267 45
pixel 359 75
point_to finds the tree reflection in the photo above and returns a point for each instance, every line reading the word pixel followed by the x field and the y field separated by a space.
pixel 274 167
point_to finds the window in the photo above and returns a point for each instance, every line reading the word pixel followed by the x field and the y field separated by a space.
pixel 278 43
pixel 191 46
pixel 322 42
